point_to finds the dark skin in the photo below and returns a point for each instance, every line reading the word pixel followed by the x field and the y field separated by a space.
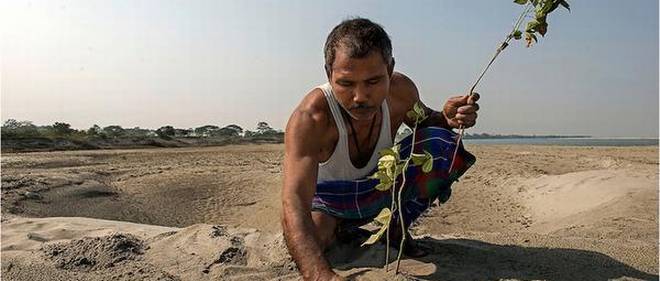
pixel 311 136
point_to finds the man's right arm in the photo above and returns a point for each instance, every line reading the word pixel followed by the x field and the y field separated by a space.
pixel 302 147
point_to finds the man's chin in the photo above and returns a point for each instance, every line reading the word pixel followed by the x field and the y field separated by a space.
pixel 363 115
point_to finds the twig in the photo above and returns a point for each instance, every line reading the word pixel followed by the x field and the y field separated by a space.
pixel 403 182
pixel 501 48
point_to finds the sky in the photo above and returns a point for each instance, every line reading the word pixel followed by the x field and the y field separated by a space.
pixel 192 63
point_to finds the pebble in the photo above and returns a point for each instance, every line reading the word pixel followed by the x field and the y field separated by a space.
pixel 32 195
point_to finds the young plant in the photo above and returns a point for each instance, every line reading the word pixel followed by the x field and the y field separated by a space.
pixel 390 164
pixel 390 167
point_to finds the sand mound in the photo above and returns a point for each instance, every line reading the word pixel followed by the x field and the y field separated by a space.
pixel 558 196
pixel 91 253
pixel 592 202
pixel 210 252
pixel 93 249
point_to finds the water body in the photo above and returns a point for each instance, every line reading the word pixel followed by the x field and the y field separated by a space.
pixel 569 141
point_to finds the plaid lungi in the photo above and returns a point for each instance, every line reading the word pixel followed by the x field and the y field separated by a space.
pixel 358 199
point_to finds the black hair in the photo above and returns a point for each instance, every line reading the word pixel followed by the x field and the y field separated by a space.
pixel 358 37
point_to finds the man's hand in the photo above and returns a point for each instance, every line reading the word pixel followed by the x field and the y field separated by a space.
pixel 461 110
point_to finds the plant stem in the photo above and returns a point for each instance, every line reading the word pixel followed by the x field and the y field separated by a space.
pixel 502 46
pixel 389 224
pixel 403 183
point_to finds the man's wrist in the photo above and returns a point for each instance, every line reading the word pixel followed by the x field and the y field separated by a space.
pixel 444 121
pixel 436 119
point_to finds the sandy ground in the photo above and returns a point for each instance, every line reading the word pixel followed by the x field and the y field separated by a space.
pixel 521 213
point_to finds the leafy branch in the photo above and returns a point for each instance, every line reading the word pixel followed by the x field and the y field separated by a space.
pixel 539 24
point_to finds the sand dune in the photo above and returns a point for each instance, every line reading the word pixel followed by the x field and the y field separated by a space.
pixel 521 213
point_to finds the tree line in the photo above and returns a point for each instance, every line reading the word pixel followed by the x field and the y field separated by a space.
pixel 13 129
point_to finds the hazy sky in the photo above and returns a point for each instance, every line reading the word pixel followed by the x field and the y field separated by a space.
pixel 190 63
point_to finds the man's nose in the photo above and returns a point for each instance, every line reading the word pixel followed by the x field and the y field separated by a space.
pixel 361 95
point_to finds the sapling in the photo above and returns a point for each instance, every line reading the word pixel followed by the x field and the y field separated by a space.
pixel 390 163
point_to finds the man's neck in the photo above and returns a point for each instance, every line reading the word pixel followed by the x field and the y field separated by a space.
pixel 362 125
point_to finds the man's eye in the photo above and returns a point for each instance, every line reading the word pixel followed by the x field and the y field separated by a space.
pixel 344 83
pixel 373 81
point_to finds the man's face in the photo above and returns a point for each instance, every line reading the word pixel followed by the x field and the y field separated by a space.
pixel 360 84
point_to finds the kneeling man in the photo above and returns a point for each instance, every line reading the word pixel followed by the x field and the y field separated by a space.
pixel 333 138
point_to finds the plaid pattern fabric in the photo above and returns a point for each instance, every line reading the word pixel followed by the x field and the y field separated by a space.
pixel 358 199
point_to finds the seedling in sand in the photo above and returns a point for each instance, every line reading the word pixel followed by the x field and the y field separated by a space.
pixel 390 164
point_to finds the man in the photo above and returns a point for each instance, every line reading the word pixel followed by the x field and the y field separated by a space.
pixel 333 137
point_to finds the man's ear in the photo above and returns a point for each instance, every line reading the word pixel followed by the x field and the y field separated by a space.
pixel 328 71
pixel 390 67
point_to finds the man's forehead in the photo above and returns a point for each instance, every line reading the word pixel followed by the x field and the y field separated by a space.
pixel 372 64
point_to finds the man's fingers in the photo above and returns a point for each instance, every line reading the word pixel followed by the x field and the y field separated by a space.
pixel 472 99
pixel 466 117
pixel 463 100
pixel 466 109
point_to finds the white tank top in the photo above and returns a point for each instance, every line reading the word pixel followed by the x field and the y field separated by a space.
pixel 339 165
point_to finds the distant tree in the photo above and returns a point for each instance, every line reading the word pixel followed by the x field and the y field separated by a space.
pixel 236 128
pixel 94 130
pixel 226 132
pixel 10 124
pixel 263 128
pixel 61 129
pixel 138 132
pixel 206 130
pixel 182 132
pixel 166 132
pixel 114 131
pixel 249 134
pixel 19 129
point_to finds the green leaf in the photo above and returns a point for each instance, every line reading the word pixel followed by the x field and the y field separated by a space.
pixel 545 6
pixel 521 2
pixel 411 115
pixel 397 149
pixel 384 181
pixel 387 160
pixel 399 169
pixel 531 26
pixel 375 237
pixel 384 216
pixel 565 5
pixel 379 175
pixel 383 219
pixel 419 110
pixel 428 164
pixel 383 186
pixel 418 159
pixel 390 151
pixel 517 34
pixel 549 6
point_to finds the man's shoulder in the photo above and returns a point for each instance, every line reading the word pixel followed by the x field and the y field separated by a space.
pixel 403 92
pixel 402 87
pixel 312 112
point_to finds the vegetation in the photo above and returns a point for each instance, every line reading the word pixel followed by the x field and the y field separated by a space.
pixel 25 136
